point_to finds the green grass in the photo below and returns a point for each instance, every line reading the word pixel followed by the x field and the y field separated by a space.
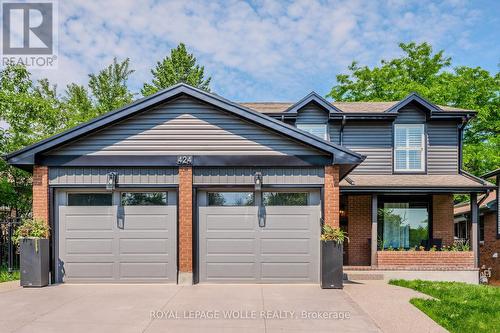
pixel 458 307
pixel 6 276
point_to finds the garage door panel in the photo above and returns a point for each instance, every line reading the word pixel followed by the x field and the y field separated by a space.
pixel 234 248
pixel 230 246
pixel 81 246
pixel 146 222
pixel 143 270
pixel 94 247
pixel 278 246
pixel 287 221
pixel 283 271
pixel 143 245
pixel 89 270
pixel 91 222
pixel 231 271
pixel 216 222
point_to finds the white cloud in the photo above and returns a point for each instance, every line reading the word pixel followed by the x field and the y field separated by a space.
pixel 254 50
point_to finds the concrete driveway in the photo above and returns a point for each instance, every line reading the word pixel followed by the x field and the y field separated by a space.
pixel 171 308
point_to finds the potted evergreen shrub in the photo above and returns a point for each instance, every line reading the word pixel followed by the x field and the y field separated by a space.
pixel 332 273
pixel 32 237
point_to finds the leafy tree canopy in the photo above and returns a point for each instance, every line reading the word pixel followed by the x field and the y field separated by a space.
pixel 179 67
pixel 431 75
pixel 32 110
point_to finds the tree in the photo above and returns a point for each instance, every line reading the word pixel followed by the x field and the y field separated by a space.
pixel 30 111
pixel 107 90
pixel 179 67
pixel 109 86
pixel 430 75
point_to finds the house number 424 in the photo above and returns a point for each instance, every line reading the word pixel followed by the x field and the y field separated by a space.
pixel 184 160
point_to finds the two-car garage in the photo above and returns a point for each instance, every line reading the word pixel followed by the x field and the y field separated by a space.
pixel 130 234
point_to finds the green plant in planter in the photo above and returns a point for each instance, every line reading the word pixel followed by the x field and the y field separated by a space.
pixel 330 233
pixel 31 228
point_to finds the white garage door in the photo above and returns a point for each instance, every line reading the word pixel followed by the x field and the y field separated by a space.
pixel 276 243
pixel 127 236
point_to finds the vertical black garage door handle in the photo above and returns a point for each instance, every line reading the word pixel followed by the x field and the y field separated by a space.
pixel 261 216
pixel 120 222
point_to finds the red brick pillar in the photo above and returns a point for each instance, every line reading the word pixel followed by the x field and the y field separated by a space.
pixel 185 225
pixel 41 193
pixel 332 196
pixel 442 218
pixel 359 229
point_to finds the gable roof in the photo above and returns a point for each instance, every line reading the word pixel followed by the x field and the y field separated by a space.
pixel 388 108
pixel 413 97
pixel 312 97
pixel 26 156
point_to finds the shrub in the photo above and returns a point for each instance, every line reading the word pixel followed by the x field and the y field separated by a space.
pixel 333 234
pixel 31 228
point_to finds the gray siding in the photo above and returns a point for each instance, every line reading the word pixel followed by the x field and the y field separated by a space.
pixel 334 131
pixel 373 139
pixel 245 176
pixel 442 148
pixel 411 114
pixel 185 126
pixel 126 176
pixel 312 114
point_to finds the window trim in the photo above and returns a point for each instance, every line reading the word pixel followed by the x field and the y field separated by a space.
pixel 308 201
pixel 426 199
pixel 325 125
pixel 423 153
pixel 121 193
pixel 235 191
pixel 68 193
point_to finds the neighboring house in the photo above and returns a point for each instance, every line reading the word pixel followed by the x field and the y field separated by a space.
pixel 185 186
pixel 489 228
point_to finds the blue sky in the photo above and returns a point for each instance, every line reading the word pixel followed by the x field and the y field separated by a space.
pixel 266 50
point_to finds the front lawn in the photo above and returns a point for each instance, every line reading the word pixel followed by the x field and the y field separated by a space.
pixel 5 276
pixel 458 307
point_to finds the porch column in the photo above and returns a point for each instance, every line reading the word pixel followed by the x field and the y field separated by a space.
pixel 185 225
pixel 474 216
pixel 374 230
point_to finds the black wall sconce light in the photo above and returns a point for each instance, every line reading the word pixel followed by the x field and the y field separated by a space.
pixel 258 181
pixel 111 179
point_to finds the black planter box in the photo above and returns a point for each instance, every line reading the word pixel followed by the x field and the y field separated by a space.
pixel 332 272
pixel 34 262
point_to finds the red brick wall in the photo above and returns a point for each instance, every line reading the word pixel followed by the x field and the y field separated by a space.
pixel 491 245
pixel 185 219
pixel 425 259
pixel 359 229
pixel 332 196
pixel 442 218
pixel 41 193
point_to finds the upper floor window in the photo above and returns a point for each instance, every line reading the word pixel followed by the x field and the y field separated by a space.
pixel 316 129
pixel 409 147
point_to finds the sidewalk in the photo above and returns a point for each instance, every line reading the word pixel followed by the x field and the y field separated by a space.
pixel 389 306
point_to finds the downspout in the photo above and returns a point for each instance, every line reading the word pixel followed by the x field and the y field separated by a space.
pixel 341 134
pixel 461 127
